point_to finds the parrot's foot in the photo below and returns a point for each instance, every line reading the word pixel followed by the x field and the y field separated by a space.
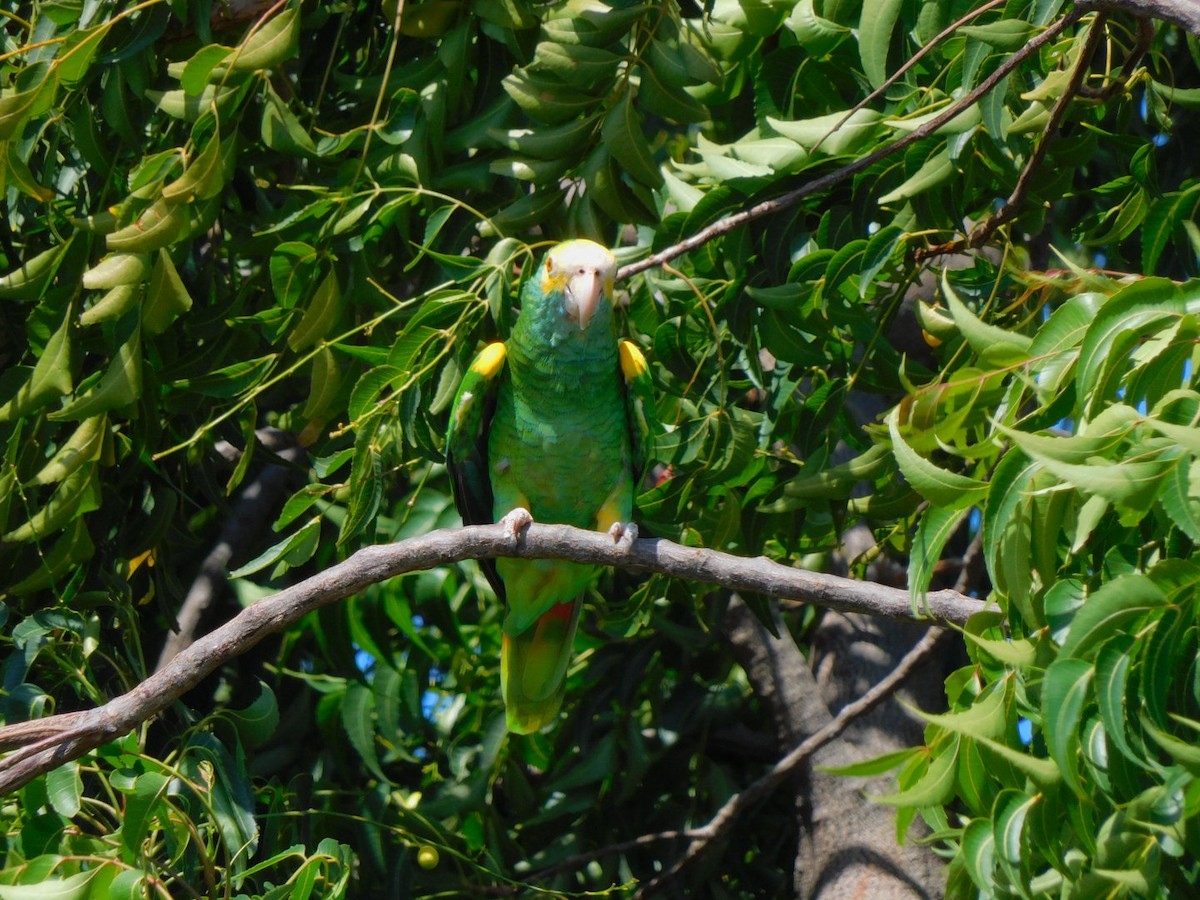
pixel 515 521
pixel 624 533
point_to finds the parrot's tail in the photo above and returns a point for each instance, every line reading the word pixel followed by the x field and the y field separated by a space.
pixel 533 667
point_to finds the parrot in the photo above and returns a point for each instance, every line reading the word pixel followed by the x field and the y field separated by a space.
pixel 553 425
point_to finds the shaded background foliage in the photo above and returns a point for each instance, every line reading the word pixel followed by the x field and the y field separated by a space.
pixel 232 230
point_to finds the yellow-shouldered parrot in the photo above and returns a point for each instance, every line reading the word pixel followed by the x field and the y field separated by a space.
pixel 555 421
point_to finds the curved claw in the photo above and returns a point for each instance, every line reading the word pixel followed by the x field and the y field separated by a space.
pixel 624 534
pixel 515 521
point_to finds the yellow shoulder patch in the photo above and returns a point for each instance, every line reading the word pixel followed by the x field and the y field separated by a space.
pixel 633 364
pixel 490 360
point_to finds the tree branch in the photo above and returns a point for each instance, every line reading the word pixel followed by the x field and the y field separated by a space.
pixel 983 232
pixel 830 179
pixel 44 744
pixel 1184 13
pixel 719 826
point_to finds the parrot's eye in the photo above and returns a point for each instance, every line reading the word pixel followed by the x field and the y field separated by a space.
pixel 581 271
pixel 549 266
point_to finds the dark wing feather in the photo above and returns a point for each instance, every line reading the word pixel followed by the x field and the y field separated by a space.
pixel 467 448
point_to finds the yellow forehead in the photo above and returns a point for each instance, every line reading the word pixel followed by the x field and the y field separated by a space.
pixel 569 257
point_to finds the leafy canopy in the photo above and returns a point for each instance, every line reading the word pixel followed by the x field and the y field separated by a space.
pixel 305 217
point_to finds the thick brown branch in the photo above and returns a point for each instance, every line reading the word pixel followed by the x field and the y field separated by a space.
pixel 47 743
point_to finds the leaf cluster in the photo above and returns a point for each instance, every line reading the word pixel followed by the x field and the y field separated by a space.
pixel 226 224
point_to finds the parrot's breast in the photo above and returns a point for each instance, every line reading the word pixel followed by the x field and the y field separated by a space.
pixel 559 438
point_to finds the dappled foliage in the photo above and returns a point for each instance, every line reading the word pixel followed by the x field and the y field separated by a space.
pixel 305 217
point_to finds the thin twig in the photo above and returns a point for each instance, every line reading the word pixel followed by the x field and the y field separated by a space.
pixel 830 179
pixel 983 232
pixel 946 32
pixel 718 827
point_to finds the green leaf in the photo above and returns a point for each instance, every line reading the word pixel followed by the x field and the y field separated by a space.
pixel 294 550
pixel 940 486
pixel 830 134
pixel 1008 823
pixel 875 766
pixel 937 526
pixel 937 169
pixel 319 317
pixel 65 789
pixel 983 719
pixel 1065 691
pixel 72 887
pixel 979 853
pixel 293 269
pixel 623 136
pixel 880 250
pixel 358 712
pixel 1129 314
pixel 276 41
pixel 256 723
pixel 935 786
pixel 1006 34
pixel 1178 501
pixel 875 27
pixel 166 297
pixel 1163 219
pixel 1107 611
pixel 141 808
pixel 1113 664
pixel 997 346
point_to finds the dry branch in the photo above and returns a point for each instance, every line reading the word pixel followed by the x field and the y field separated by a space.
pixel 44 744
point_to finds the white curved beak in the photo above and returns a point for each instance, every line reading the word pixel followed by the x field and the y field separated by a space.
pixel 585 289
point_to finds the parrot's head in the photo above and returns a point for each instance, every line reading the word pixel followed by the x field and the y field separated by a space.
pixel 581 273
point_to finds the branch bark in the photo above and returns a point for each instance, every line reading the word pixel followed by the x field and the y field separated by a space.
pixel 1184 13
pixel 44 744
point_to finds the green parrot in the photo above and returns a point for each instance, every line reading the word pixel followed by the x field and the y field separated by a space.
pixel 552 425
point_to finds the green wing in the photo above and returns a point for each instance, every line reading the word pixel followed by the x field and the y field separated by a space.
pixel 467 442
pixel 639 401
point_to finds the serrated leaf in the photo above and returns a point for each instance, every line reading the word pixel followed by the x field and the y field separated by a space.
pixel 880 249
pixel 358 710
pixel 875 27
pixel 937 526
pixel 1162 219
pixel 1113 664
pixel 1107 610
pixel 296 549
pixel 276 41
pixel 985 718
pixel 932 788
pixel 318 318
pixel 623 136
pixel 1119 324
pixel 1008 823
pixel 997 346
pixel 940 486
pixel 1065 690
